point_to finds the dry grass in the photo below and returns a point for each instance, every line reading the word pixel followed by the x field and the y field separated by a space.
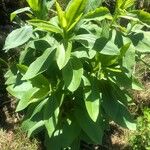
pixel 16 140
pixel 142 72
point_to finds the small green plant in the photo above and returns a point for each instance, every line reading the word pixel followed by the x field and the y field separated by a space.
pixel 73 74
pixel 141 137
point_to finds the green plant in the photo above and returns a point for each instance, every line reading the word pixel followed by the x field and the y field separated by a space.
pixel 74 72
pixel 140 139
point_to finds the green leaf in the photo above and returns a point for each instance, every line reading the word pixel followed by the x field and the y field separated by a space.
pixel 124 49
pixel 20 90
pixel 92 129
pixel 141 41
pixel 72 131
pixel 92 100
pixel 92 103
pixel 27 56
pixel 62 56
pixel 106 47
pixel 100 13
pixel 76 144
pixel 28 92
pixel 87 40
pixel 105 29
pixel 68 130
pixel 3 63
pixel 40 65
pixel 51 111
pixel 35 48
pixel 82 52
pixel 86 81
pixel 45 26
pixel 74 10
pixel 122 95
pixel 11 75
pixel 136 85
pixel 39 107
pixel 74 23
pixel 18 37
pixel 128 3
pixel 19 11
pixel 25 100
pixel 51 123
pixel 122 79
pixel 114 108
pixel 67 53
pixel 36 126
pixel 35 4
pixel 72 74
pixel 40 80
pixel 124 4
pixel 61 16
pixel 142 15
pixel 128 60
pixel 29 122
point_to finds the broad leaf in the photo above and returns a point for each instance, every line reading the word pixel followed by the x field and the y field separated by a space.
pixel 63 55
pixel 93 130
pixel 30 123
pixel 72 74
pixel 51 111
pixel 18 37
pixel 29 92
pixel 35 4
pixel 74 10
pixel 82 52
pixel 39 107
pixel 103 46
pixel 142 15
pixel 40 64
pixel 105 29
pixel 99 14
pixel 92 100
pixel 36 126
pixel 25 100
pixel 115 109
pixel 61 16
pixel 19 11
pixel 20 90
pixel 136 85
pixel 27 56
pixel 45 26
pixel 87 40
pixel 74 23
pixel 129 60
pixel 39 7
pixel 124 4
pixel 92 103
pixel 60 56
pixel 68 130
pixel 141 41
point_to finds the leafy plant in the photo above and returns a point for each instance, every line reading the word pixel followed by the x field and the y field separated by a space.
pixel 73 74
pixel 140 139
